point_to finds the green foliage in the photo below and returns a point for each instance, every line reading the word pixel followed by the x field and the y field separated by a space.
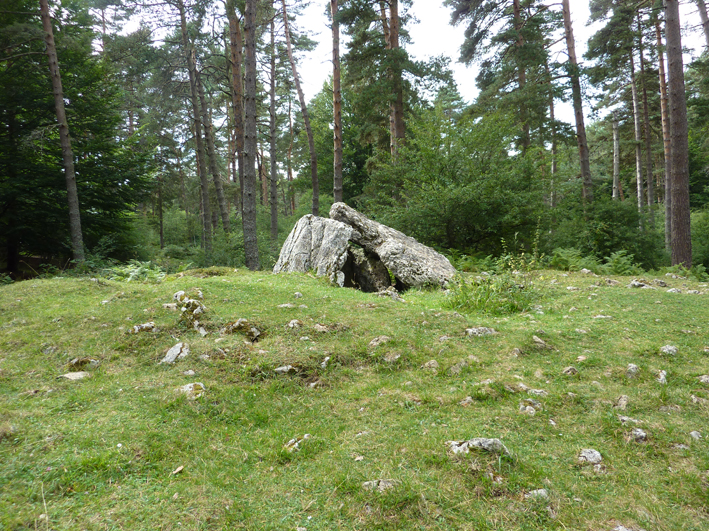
pixel 571 259
pixel 497 294
pixel 135 271
pixel 621 263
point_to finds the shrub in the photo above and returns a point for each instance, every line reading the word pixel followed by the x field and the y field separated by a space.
pixel 499 294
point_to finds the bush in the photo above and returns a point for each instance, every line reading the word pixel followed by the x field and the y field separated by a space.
pixel 499 294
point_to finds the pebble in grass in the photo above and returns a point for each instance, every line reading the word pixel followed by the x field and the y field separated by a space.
pixel 639 435
pixel 704 379
pixel 623 528
pixel 178 351
pixel 632 370
pixel 494 446
pixel 590 456
pixel 662 377
pixel 379 340
pixel 670 350
pixel 380 485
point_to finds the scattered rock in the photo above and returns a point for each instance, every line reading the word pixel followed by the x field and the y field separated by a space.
pixel 458 367
pixel 80 363
pixel 537 392
pixel 622 402
pixel 527 410
pixel 590 456
pixel 662 377
pixel 391 293
pixel 286 305
pixel 391 357
pixel 540 343
pixel 379 340
pixel 380 485
pixel 321 328
pixel 178 351
pixel 189 373
pixel 632 370
pixel 172 306
pixel 286 369
pixel 586 271
pixel 674 290
pixel 669 350
pixel 601 316
pixel 570 371
pixel 243 326
pixel 516 353
pixel 298 295
pixel 623 528
pixel 494 446
pixel 658 282
pixel 572 288
pixel 443 339
pixel 638 284
pixel 295 323
pixel 699 400
pixel 680 447
pixel 466 401
pixel 695 435
pixel 480 331
pixel 324 363
pixel 294 444
pixel 639 435
pixel 625 420
pixel 694 292
pixel 611 282
pixel 430 365
pixel 305 338
pixel 704 379
pixel 193 390
pixel 145 327
pixel 539 494
pixel 80 375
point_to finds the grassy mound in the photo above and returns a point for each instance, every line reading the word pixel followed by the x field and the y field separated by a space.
pixel 123 448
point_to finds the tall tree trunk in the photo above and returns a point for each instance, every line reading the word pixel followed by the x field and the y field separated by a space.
pixel 616 157
pixel 664 109
pixel 250 143
pixel 638 137
pixel 160 217
pixel 291 192
pixel 522 75
pixel 578 106
pixel 77 241
pixel 646 122
pixel 705 20
pixel 237 87
pixel 306 117
pixel 273 199
pixel 336 104
pixel 212 154
pixel 554 140
pixel 202 164
pixel 398 86
pixel 681 231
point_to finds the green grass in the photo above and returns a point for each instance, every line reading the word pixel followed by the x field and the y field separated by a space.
pixel 99 453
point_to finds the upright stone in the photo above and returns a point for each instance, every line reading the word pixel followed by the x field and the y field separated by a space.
pixel 318 244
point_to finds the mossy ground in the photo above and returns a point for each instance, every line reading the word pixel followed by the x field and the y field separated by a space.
pixel 100 453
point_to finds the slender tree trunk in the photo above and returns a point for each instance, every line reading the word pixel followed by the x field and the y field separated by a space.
pixel 212 154
pixel 578 106
pixel 77 241
pixel 616 157
pixel 398 86
pixel 705 20
pixel 202 165
pixel 273 200
pixel 638 137
pixel 250 141
pixel 648 139
pixel 306 117
pixel 237 87
pixel 291 192
pixel 160 218
pixel 554 142
pixel 336 104
pixel 263 176
pixel 664 109
pixel 681 230
pixel 183 189
pixel 521 75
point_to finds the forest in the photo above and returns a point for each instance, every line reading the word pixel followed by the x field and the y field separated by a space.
pixel 176 132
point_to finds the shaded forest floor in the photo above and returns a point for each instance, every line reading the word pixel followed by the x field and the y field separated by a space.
pixel 123 448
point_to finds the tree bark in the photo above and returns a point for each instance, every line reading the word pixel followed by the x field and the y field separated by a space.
pixel 273 198
pixel 521 75
pixel 638 138
pixel 554 142
pixel 77 241
pixel 646 122
pixel 201 162
pixel 705 20
pixel 212 154
pixel 250 143
pixel 291 192
pixel 616 157
pixel 681 231
pixel 664 110
pixel 578 106
pixel 336 104
pixel 237 87
pixel 306 117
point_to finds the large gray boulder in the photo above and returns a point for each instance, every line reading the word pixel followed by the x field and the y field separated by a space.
pixel 318 244
pixel 412 263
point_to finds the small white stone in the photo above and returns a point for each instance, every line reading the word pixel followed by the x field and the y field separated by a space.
pixel 695 435
pixel 632 370
pixel 591 456
pixel 670 350
pixel 639 435
pixel 539 494
pixel 662 377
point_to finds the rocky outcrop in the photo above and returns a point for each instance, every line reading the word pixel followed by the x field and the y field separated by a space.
pixel 412 263
pixel 354 251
